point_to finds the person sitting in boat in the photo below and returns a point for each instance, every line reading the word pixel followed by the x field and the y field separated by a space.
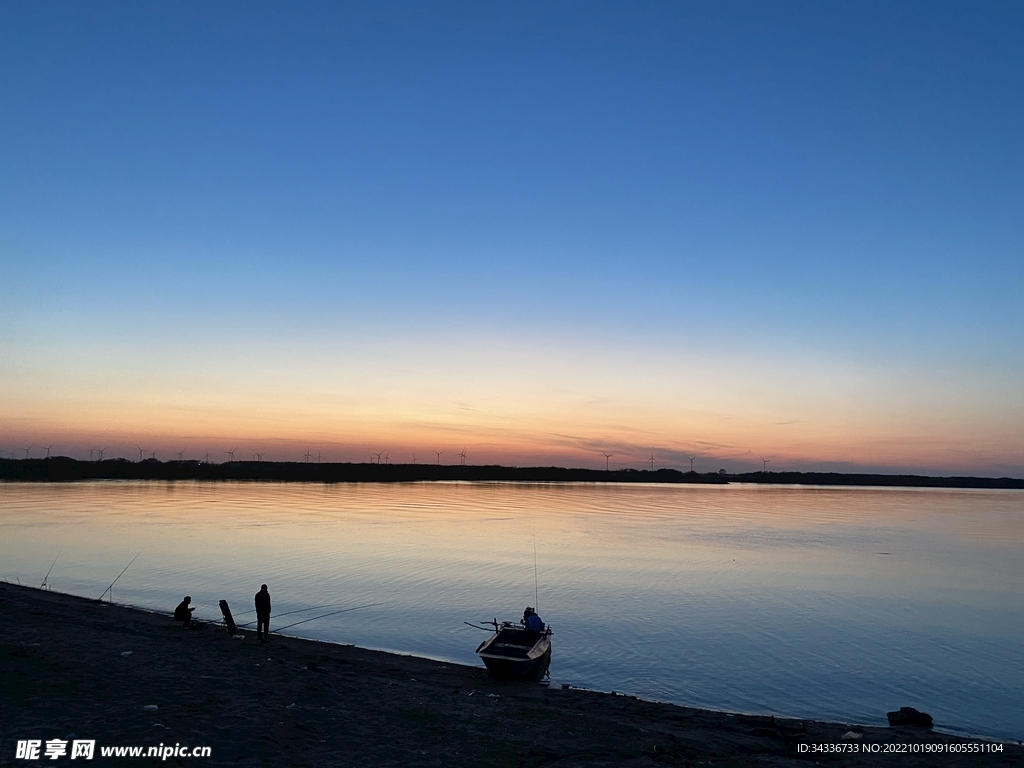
pixel 532 621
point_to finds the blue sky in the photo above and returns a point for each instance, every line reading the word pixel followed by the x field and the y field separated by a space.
pixel 796 195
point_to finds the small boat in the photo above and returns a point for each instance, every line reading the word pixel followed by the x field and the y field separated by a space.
pixel 516 653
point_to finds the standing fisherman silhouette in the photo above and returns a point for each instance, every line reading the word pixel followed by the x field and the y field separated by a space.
pixel 263 613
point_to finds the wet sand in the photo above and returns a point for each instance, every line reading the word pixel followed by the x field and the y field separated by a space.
pixel 300 702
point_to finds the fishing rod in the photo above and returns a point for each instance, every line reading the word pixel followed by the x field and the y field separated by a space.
pixel 536 590
pixel 289 612
pixel 485 629
pixel 108 589
pixel 47 576
pixel 324 616
pixel 312 607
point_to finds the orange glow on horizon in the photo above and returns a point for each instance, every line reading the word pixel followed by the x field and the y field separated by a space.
pixel 512 405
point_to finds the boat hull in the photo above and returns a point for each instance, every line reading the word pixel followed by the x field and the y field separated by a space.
pixel 518 669
pixel 512 653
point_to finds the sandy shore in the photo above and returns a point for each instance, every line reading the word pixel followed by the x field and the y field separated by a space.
pixel 299 702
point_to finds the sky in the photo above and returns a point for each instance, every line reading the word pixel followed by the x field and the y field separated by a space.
pixel 536 232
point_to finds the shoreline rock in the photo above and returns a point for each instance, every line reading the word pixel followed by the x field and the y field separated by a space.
pixel 910 717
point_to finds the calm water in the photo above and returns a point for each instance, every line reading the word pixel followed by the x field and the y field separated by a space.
pixel 814 602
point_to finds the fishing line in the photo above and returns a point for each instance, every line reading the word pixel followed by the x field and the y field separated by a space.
pixel 289 613
pixel 324 616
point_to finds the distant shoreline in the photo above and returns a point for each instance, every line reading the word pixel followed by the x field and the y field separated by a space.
pixel 61 469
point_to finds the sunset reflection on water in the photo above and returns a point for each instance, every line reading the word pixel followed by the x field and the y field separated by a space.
pixel 833 603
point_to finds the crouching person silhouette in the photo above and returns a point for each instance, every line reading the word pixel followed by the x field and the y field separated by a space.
pixel 183 612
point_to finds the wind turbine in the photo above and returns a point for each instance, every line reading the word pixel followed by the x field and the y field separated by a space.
pixel 652 460
pixel 307 456
pixel 206 458
pixel 141 451
pixel 27 450
pixel 378 455
pixel 607 457
pixel 181 455
pixel 231 454
pixel 764 464
pixel 318 457
pixel 414 459
pixel 259 456
pixel 691 458
pixel 387 457
pixel 438 456
pixel 99 452
pixel 462 457
pixel 48 447
pixel 152 454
